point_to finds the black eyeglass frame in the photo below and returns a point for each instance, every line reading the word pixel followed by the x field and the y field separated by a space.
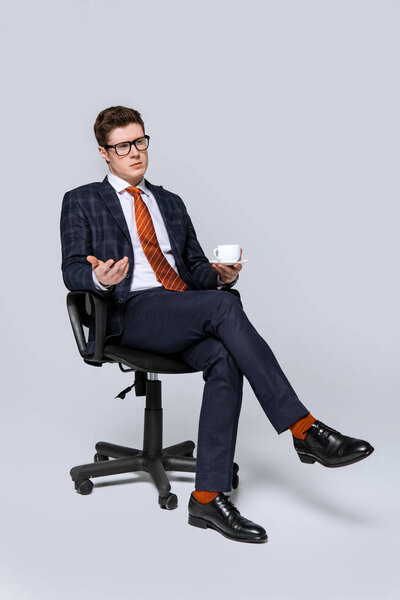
pixel 130 145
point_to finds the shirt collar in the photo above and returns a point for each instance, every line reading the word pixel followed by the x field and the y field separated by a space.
pixel 120 185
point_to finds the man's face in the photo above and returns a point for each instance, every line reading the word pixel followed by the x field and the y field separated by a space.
pixel 131 167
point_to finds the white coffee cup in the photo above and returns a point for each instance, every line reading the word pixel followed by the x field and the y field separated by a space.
pixel 227 252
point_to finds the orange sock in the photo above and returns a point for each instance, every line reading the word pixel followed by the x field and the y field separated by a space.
pixel 299 428
pixel 204 496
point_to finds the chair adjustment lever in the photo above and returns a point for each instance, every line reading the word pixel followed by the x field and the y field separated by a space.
pixel 125 391
pixel 125 370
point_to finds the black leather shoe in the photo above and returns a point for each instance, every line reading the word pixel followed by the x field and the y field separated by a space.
pixel 220 514
pixel 330 448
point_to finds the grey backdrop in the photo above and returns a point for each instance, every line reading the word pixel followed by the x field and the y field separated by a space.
pixel 278 124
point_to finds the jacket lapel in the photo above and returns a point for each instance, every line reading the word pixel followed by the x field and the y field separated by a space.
pixel 113 204
pixel 163 204
pixel 169 220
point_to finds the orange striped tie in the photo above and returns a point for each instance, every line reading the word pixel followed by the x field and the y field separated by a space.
pixel 148 239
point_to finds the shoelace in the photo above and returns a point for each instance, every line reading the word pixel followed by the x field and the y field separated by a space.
pixel 227 503
pixel 321 432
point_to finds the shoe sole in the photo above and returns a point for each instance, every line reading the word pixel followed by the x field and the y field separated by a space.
pixel 307 458
pixel 203 524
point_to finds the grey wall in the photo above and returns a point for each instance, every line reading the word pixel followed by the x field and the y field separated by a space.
pixel 278 124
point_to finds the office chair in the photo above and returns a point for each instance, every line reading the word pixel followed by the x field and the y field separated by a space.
pixel 153 458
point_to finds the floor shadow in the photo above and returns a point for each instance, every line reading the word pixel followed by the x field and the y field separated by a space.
pixel 314 497
pixel 310 496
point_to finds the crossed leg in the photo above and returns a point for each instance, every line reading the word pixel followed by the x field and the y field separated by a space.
pixel 219 415
pixel 210 330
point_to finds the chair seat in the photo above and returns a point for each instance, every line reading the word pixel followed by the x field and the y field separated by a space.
pixel 146 361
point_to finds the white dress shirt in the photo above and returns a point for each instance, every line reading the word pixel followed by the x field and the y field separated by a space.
pixel 143 275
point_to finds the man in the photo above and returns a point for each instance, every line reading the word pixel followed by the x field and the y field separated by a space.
pixel 134 242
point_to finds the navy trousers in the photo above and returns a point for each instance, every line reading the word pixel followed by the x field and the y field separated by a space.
pixel 210 331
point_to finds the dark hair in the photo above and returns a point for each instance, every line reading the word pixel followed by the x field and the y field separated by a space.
pixel 115 116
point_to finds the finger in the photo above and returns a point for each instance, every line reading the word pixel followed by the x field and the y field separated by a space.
pixel 217 268
pixel 93 261
pixel 226 274
pixel 228 269
pixel 119 267
pixel 103 270
pixel 224 270
pixel 230 273
pixel 121 263
pixel 123 274
pixel 118 272
pixel 109 263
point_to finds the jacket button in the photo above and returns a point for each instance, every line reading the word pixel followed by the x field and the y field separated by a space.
pixel 120 300
pixel 127 276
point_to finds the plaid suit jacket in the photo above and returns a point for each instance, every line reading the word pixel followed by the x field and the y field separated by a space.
pixel 92 222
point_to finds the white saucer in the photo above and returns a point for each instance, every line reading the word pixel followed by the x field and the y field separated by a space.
pixel 222 262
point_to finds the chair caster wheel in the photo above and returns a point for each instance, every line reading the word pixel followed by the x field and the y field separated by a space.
pixel 84 487
pixel 100 457
pixel 235 476
pixel 169 502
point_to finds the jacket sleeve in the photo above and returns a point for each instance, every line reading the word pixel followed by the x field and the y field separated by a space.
pixel 76 245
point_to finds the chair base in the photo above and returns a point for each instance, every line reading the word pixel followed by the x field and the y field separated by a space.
pixel 178 457
pixel 153 459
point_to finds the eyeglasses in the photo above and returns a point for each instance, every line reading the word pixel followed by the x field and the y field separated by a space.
pixel 123 148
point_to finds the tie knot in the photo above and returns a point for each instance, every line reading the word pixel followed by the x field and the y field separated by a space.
pixel 135 192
